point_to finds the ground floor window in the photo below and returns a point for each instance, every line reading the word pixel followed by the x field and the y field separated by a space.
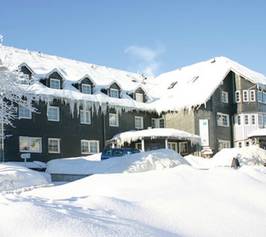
pixel 30 144
pixel 183 147
pixel 89 146
pixel 224 144
pixel 172 146
pixel 138 146
pixel 53 145
pixel 138 122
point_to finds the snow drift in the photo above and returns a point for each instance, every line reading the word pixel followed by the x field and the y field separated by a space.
pixel 251 155
pixel 15 177
pixel 139 162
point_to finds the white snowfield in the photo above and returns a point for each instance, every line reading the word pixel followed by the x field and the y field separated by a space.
pixel 139 162
pixel 181 201
pixel 14 177
pixel 171 91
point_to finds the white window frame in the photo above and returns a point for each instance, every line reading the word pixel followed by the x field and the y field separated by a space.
pixel 156 122
pixel 170 145
pixel 139 126
pixel 252 95
pixel 238 119
pixel 220 120
pixel 22 114
pixel 57 111
pixel 237 96
pixel 139 97
pixel 57 81
pixel 85 116
pixel 29 141
pixel 116 119
pixel 86 88
pixel 58 140
pixel 114 93
pixel 253 119
pixel 223 144
pixel 245 96
pixel 88 143
pixel 224 97
pixel 246 119
pixel 180 144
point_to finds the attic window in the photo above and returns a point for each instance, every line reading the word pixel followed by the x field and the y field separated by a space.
pixel 114 93
pixel 195 78
pixel 55 83
pixel 172 85
pixel 85 88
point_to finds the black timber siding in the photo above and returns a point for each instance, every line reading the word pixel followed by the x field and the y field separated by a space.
pixel 68 129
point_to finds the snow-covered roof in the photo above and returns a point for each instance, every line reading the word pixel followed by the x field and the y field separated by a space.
pixel 154 133
pixel 193 85
pixel 258 133
pixel 172 91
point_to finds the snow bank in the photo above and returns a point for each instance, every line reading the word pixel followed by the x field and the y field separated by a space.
pixel 198 162
pixel 139 162
pixel 15 177
pixel 181 201
pixel 251 155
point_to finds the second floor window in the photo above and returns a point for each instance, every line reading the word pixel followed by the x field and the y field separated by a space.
pixel 222 120
pixel 245 96
pixel 139 97
pixel 86 88
pixel 24 113
pixel 224 97
pixel 53 113
pixel 85 116
pixel 113 120
pixel 237 96
pixel 55 83
pixel 157 123
pixel 253 119
pixel 114 93
pixel 138 122
pixel 252 95
pixel 246 119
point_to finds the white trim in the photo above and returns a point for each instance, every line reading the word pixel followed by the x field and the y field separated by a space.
pixel 83 85
pixel 55 80
pixel 245 92
pixel 254 95
pixel 141 122
pixel 89 146
pixel 170 144
pixel 238 96
pixel 116 124
pixel 114 90
pixel 58 145
pixel 21 116
pixel 83 111
pixel 223 144
pixel 220 119
pixel 58 115
pixel 28 141
pixel 139 99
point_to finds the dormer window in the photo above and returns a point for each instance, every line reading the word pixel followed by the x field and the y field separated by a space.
pixel 114 93
pixel 139 97
pixel 86 88
pixel 55 83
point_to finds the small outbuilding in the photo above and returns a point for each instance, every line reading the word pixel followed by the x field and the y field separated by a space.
pixel 157 138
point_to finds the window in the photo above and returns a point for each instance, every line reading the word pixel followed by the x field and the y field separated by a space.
pixel 139 97
pixel 24 113
pixel 245 96
pixel 113 120
pixel 55 83
pixel 259 96
pixel 237 96
pixel 253 119
pixel 222 120
pixel 264 97
pixel 238 119
pixel 114 93
pixel 138 146
pixel 53 113
pixel 246 119
pixel 138 122
pixel 224 144
pixel 183 147
pixel 247 144
pixel 53 145
pixel 89 146
pixel 86 88
pixel 157 123
pixel 239 144
pixel 224 97
pixel 172 146
pixel 30 144
pixel 252 95
pixel 85 116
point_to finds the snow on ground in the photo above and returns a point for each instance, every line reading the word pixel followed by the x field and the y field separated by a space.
pixel 139 162
pixel 181 201
pixel 251 155
pixel 14 177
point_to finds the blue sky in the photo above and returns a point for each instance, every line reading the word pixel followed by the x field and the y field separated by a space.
pixel 145 36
